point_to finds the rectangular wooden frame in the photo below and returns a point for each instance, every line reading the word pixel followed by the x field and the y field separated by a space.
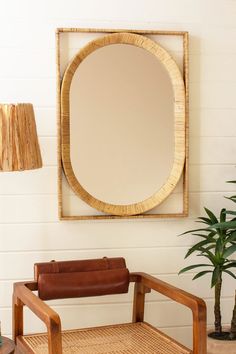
pixel 185 38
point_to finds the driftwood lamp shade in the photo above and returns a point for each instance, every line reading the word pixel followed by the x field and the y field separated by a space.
pixel 19 147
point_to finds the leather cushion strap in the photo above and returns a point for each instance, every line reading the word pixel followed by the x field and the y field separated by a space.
pixel 83 265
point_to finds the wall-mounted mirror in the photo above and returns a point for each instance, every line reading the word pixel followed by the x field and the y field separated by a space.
pixel 122 125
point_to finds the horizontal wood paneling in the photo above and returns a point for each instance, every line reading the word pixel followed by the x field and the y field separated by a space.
pixel 218 95
pixel 25 63
pixel 29 227
pixel 98 235
pixel 203 150
pixel 168 12
pixel 148 259
pixel 19 63
pixel 43 208
pixel 205 67
pixel 43 181
pixel 211 150
pixel 203 122
pixel 48 147
pixel 25 208
pixel 40 92
pixel 212 122
pixel 202 178
pixel 218 39
pixel 46 121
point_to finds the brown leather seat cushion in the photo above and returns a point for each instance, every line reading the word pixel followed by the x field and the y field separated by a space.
pixel 81 278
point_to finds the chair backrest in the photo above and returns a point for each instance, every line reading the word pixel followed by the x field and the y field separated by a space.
pixel 81 278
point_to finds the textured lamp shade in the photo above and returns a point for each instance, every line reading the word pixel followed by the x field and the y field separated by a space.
pixel 19 147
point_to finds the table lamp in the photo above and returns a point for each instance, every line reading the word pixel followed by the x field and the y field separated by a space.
pixel 19 147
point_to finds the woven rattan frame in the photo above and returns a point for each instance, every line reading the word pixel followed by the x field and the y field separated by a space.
pixel 181 125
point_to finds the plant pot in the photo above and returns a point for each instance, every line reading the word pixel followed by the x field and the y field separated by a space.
pixel 216 346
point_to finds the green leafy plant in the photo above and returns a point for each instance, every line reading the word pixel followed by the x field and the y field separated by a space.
pixel 217 244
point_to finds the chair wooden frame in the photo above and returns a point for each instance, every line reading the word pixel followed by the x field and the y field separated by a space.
pixel 23 295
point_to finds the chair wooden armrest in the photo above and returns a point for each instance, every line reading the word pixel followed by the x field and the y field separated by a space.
pixel 145 282
pixel 23 295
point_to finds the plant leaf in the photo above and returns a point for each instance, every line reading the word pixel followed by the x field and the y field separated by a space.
pixel 230 212
pixel 233 198
pixel 230 250
pixel 200 274
pixel 213 218
pixel 230 273
pixel 204 220
pixel 206 253
pixel 195 230
pixel 210 247
pixel 200 235
pixel 231 237
pixel 193 266
pixel 225 225
pixel 230 265
pixel 212 234
pixel 197 247
pixel 223 215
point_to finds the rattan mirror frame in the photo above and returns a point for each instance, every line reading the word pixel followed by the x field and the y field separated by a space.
pixel 181 124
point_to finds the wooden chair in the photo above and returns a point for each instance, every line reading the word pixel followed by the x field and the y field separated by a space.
pixel 55 280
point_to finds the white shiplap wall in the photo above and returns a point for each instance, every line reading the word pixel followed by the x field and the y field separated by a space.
pixel 29 228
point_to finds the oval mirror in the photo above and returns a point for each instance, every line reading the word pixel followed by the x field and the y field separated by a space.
pixel 123 124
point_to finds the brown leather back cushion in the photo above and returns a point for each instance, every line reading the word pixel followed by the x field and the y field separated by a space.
pixel 81 278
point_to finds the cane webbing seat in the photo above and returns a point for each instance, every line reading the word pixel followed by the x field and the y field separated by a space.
pixel 132 338
pixel 107 276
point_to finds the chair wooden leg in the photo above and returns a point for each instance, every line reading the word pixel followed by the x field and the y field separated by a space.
pixel 199 330
pixel 54 337
pixel 17 317
pixel 139 302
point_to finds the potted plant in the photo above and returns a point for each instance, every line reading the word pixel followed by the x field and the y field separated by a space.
pixel 216 243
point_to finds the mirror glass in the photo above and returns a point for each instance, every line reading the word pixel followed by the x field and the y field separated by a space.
pixel 121 124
